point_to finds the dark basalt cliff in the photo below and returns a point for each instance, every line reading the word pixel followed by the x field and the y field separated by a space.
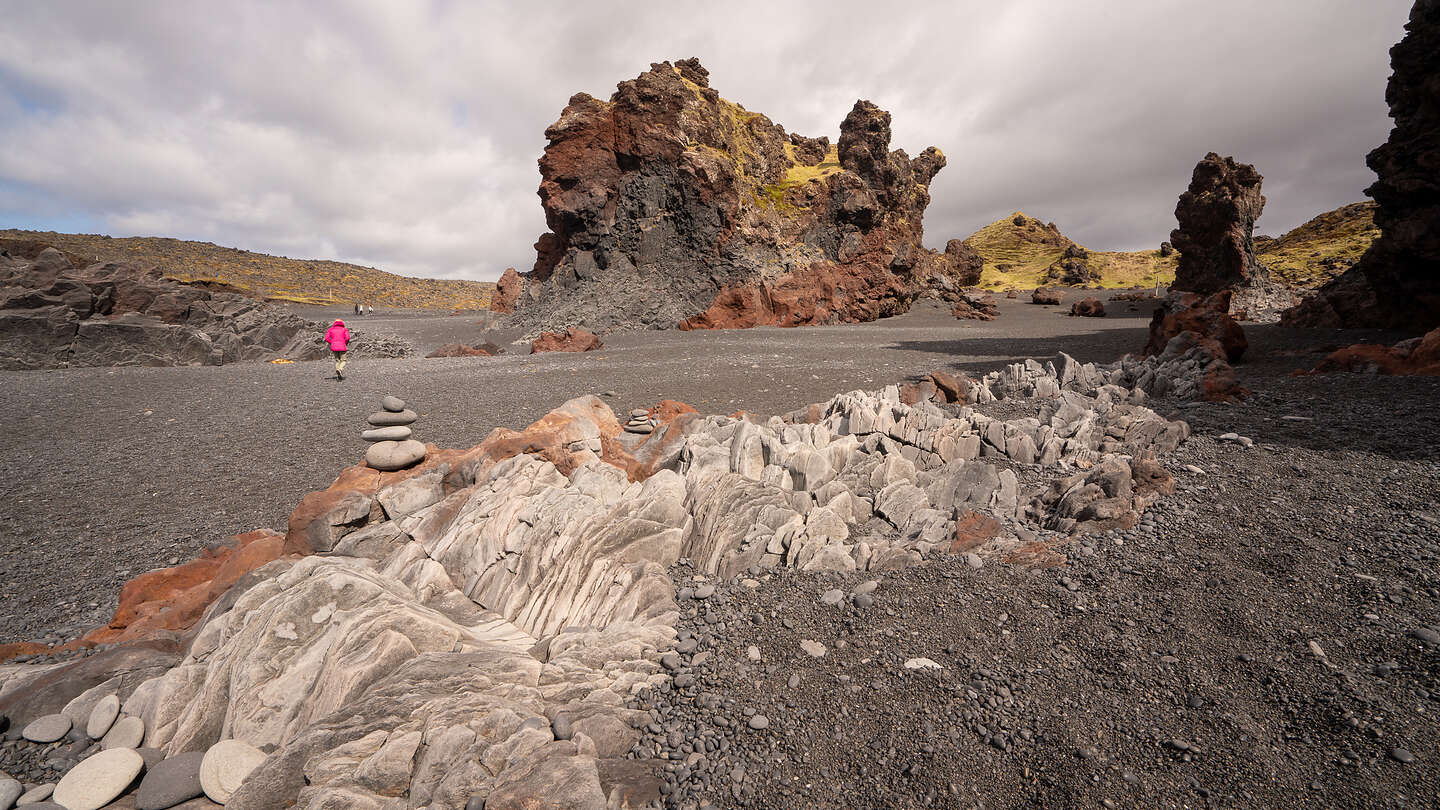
pixel 671 206
pixel 1396 284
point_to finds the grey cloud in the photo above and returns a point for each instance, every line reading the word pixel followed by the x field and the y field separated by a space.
pixel 405 135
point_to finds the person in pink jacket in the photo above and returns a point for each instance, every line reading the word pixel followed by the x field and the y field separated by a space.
pixel 337 337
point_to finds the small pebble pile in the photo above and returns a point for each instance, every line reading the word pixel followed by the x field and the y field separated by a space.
pixel 90 754
pixel 392 448
pixel 640 422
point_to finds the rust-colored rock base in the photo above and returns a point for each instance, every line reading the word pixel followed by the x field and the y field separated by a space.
pixel 571 340
pixel 1414 357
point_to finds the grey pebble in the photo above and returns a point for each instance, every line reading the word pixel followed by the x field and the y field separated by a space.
pixel 758 722
pixel 1401 755
pixel 705 591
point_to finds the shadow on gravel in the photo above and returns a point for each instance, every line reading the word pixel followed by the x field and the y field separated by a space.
pixel 1095 347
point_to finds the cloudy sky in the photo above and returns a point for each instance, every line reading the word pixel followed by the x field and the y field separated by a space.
pixel 405 135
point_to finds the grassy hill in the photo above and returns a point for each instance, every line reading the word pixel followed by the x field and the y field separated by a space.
pixel 275 278
pixel 1322 248
pixel 1018 251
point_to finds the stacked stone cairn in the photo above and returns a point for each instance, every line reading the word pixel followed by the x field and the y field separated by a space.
pixel 100 749
pixel 640 422
pixel 392 448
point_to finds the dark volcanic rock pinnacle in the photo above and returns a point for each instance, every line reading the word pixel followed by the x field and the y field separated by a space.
pixel 1216 216
pixel 1396 284
pixel 671 206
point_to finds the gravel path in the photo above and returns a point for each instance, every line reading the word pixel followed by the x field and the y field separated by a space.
pixel 116 471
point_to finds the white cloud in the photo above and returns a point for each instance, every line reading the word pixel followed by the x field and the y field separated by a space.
pixel 405 135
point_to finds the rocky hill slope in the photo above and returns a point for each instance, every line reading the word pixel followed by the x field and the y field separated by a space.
pixel 306 281
pixel 671 206
pixel 1320 249
pixel 55 314
pixel 1022 252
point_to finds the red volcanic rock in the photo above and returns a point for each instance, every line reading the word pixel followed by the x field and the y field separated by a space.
pixel 1216 216
pixel 1396 284
pixel 1088 308
pixel 1206 316
pixel 173 599
pixel 1011 294
pixel 975 308
pixel 507 291
pixel 461 350
pixel 1047 296
pixel 952 388
pixel 668 205
pixel 571 340
pixel 973 530
pixel 1416 357
pixel 668 410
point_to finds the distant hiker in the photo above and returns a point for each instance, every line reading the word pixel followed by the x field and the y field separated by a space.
pixel 357 309
pixel 369 309
pixel 338 338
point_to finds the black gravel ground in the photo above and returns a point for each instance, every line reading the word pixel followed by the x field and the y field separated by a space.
pixel 1267 637
pixel 115 471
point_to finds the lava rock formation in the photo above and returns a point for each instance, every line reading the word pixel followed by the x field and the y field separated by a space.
pixel 671 206
pixel 1396 284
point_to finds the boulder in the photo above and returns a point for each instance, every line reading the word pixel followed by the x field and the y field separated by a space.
pixel 571 340
pixel 1088 308
pixel 1047 296
pixel 1415 356
pixel 1207 316
pixel 507 292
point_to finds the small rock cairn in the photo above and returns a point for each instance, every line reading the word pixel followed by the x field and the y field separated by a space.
pixel 640 422
pixel 392 448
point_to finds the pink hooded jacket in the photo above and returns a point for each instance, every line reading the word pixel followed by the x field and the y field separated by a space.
pixel 337 336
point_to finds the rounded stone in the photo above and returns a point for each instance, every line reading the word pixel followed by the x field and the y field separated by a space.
pixel 391 456
pixel 39 793
pixel 386 418
pixel 47 729
pixel 393 404
pixel 225 766
pixel 102 717
pixel 171 782
pixel 394 433
pixel 98 780
pixel 128 732
pixel 758 722
pixel 562 727
pixel 10 790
